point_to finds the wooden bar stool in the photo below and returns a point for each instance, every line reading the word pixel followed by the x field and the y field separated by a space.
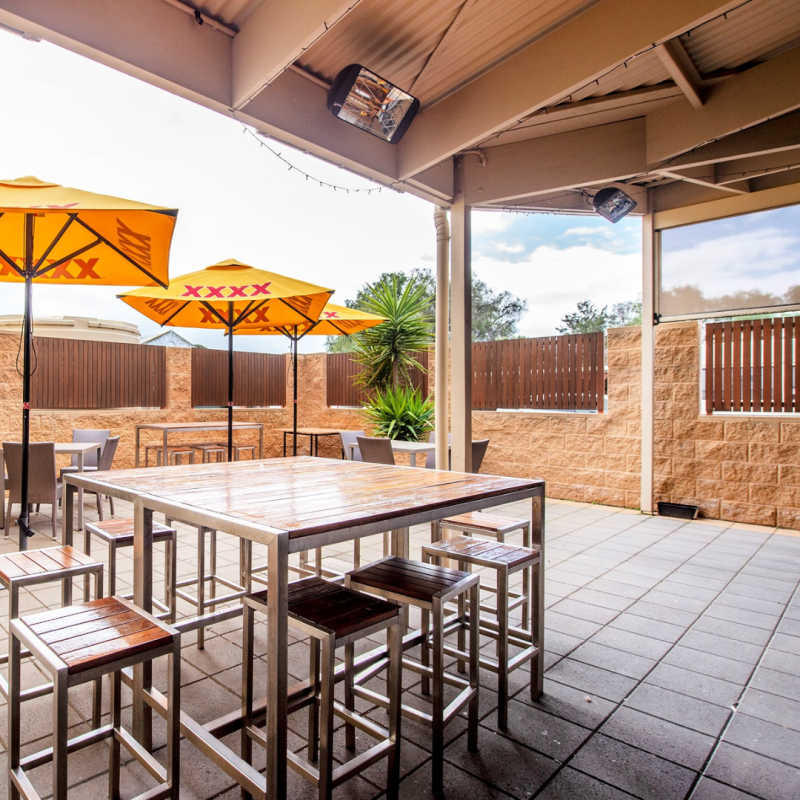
pixel 505 560
pixel 496 526
pixel 238 449
pixel 174 452
pixel 81 643
pixel 202 600
pixel 332 616
pixel 429 588
pixel 34 567
pixel 118 533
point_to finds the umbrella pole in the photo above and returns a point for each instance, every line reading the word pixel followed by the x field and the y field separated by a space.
pixel 230 389
pixel 294 387
pixel 27 336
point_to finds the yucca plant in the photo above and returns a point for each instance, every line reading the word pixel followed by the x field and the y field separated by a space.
pixel 388 352
pixel 400 412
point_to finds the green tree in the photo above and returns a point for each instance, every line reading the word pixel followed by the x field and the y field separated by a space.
pixel 588 318
pixel 495 315
pixel 387 353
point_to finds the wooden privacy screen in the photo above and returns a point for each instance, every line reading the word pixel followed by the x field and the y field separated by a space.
pixel 259 379
pixel 753 365
pixel 343 389
pixel 553 372
pixel 74 373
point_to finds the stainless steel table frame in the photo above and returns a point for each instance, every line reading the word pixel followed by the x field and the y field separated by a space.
pixel 141 486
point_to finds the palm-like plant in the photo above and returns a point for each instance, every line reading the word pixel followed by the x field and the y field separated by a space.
pixel 388 353
pixel 400 413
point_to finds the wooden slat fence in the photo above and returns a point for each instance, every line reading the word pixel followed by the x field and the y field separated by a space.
pixel 259 379
pixel 79 374
pixel 753 365
pixel 552 372
pixel 344 390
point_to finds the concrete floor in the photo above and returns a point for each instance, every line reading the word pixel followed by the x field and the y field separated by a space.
pixel 673 655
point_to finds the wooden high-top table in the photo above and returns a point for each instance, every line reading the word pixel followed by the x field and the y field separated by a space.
pixel 165 428
pixel 290 505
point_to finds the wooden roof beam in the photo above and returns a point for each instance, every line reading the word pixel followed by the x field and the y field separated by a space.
pixel 561 62
pixel 703 181
pixel 766 91
pixel 681 68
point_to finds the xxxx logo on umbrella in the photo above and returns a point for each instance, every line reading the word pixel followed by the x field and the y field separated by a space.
pixel 224 292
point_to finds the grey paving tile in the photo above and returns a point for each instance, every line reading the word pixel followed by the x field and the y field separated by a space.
pixel 611 659
pixel 708 789
pixel 777 682
pixel 754 618
pixel 732 630
pixel 569 703
pixel 591 680
pixel 708 664
pixel 675 616
pixel 547 734
pixel 771 707
pixel 458 784
pixel 790 626
pixel 631 642
pixel 738 601
pixel 656 629
pixel 754 773
pixel 679 602
pixel 678 708
pixel 585 611
pixel 722 646
pixel 781 661
pixel 560 643
pixel 632 770
pixel 523 771
pixel 601 599
pixel 660 737
pixel 703 687
pixel 572 626
pixel 767 738
pixel 786 643
pixel 570 783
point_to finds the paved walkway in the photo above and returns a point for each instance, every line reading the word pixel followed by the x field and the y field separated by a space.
pixel 673 655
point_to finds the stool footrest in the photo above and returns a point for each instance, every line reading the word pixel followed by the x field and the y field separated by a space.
pixel 142 755
pixel 76 743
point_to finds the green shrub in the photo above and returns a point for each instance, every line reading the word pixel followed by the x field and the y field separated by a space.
pixel 400 413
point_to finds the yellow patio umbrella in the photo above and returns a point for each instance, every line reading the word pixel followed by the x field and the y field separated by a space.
pixel 228 296
pixel 333 321
pixel 58 235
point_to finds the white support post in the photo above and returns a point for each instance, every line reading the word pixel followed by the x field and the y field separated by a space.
pixel 461 322
pixel 442 324
pixel 650 245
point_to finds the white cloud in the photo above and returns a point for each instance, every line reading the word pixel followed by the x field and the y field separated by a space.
pixel 587 231
pixel 486 222
pixel 509 248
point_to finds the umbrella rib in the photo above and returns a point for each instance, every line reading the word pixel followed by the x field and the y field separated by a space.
pixel 11 263
pixel 120 252
pixel 297 310
pixel 172 316
pixel 247 309
pixel 214 311
pixel 56 240
pixel 64 260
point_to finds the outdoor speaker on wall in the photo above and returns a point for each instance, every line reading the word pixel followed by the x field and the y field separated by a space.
pixel 362 98
pixel 613 204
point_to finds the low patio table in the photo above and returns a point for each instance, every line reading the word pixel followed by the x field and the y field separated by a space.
pixel 399 446
pixel 290 505
pixel 165 428
pixel 77 449
pixel 313 437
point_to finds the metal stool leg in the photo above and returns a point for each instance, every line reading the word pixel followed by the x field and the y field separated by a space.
pixel 425 658
pixel 349 697
pixel 174 721
pixel 474 664
pixel 60 732
pixel 438 698
pixel 114 750
pixel 201 584
pixel 526 577
pixel 537 632
pixel 394 687
pixel 326 720
pixel 170 577
pixel 14 710
pixel 502 649
pixel 314 707
pixel 248 630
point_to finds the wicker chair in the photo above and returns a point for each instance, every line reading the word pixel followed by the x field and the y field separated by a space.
pixel 44 485
pixel 375 449
pixel 350 438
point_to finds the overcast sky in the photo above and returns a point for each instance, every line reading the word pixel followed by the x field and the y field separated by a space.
pixel 72 121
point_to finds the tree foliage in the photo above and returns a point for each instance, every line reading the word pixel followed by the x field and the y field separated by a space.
pixel 588 318
pixel 388 352
pixel 495 314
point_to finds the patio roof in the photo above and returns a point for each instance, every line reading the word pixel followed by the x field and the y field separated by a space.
pixel 549 98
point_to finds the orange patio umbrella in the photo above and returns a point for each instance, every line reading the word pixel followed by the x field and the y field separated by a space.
pixel 58 235
pixel 229 296
pixel 334 321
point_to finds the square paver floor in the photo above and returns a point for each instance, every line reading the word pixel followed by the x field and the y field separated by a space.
pixel 672 661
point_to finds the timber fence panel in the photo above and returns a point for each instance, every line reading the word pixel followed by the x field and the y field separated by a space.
pixel 343 388
pixel 259 379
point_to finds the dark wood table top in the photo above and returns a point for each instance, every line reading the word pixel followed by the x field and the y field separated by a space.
pixel 305 495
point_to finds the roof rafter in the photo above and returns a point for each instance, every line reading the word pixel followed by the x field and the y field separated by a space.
pixel 681 68
pixel 546 71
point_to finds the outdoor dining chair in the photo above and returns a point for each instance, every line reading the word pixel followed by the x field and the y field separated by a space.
pixel 350 438
pixel 375 449
pixel 479 447
pixel 90 459
pixel 44 485
pixel 105 462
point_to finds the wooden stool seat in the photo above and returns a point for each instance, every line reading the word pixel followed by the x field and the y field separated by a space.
pixel 485 523
pixel 120 531
pixel 209 449
pixel 82 643
pixel 403 578
pixel 482 552
pixel 50 563
pixel 91 635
